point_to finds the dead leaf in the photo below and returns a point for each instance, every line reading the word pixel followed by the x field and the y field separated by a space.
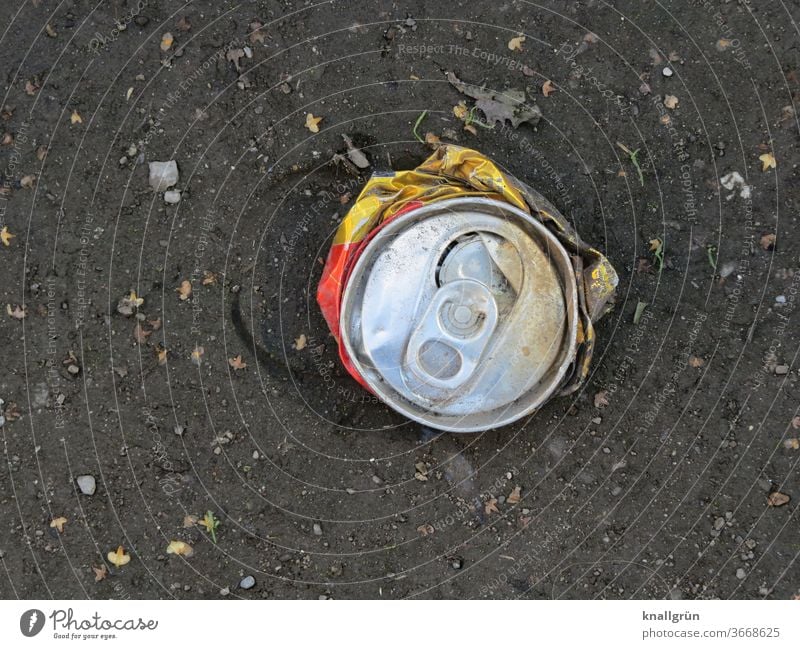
pixel 58 523
pixel 432 140
pixel 8 139
pixel 161 354
pixel 497 106
pixel 190 520
pixel 792 444
pixel 197 355
pixel 723 44
pixel 118 557
pixel 300 342
pixel 767 161
pixel 31 87
pixel 183 24
pixel 7 113
pixel 461 111
pixel 166 41
pixel 234 55
pixel 256 34
pixel 312 123
pixel 548 88
pixel 768 241
pixel 777 499
pixel 17 312
pixel 100 573
pixel 491 507
pixel 209 278
pixel 237 363
pixel 471 129
pixel 796 422
pixel 28 181
pixel 52 33
pixel 514 496
pixel 75 118
pixel 41 152
pixel 515 44
pixel 6 236
pixel 180 548
pixel 356 156
pixel 140 334
pixel 425 529
pixel 601 399
pixel 671 102
pixel 695 361
pixel 184 290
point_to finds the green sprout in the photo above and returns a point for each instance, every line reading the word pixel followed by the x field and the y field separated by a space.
pixel 421 117
pixel 712 256
pixel 211 524
pixel 471 119
pixel 657 248
pixel 634 158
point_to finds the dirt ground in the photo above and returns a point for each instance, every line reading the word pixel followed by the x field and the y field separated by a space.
pixel 666 476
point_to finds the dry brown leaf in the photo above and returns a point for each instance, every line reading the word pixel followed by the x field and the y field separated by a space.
pixel 491 507
pixel 696 361
pixel 768 161
pixel 792 444
pixel 514 496
pixel 432 140
pixel 100 573
pixel 161 354
pixel 312 123
pixel 184 290
pixel 140 334
pixel 27 181
pixel 180 548
pixel 671 102
pixel 6 236
pixel 17 312
pixel 471 129
pixel 665 120
pixel 300 342
pixel 166 41
pixel 209 278
pixel 75 118
pixel 777 499
pixel 118 557
pixel 41 152
pixel 425 529
pixel 31 87
pixel 796 422
pixel 237 363
pixel 8 139
pixel 256 34
pixel 190 520
pixel 51 32
pixel 58 523
pixel 515 44
pixel 7 112
pixel 183 24
pixel 548 88
pixel 460 110
pixel 768 241
pixel 601 399
pixel 723 44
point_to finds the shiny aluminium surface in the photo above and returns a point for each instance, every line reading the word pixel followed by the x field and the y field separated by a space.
pixel 462 314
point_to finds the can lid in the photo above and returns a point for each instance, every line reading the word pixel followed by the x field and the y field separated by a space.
pixel 462 314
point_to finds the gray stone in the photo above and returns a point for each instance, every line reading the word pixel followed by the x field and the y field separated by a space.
pixel 87 484
pixel 317 529
pixel 247 582
pixel 172 197
pixel 163 175
pixel 740 573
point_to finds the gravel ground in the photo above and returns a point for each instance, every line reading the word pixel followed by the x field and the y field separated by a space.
pixel 669 139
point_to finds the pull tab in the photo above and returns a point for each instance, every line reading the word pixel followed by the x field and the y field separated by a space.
pixel 446 347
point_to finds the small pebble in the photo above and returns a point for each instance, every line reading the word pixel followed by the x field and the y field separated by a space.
pixel 172 197
pixel 163 175
pixel 667 72
pixel 740 573
pixel 456 563
pixel 247 582
pixel 781 299
pixel 87 484
pixel 317 529
pixel 781 370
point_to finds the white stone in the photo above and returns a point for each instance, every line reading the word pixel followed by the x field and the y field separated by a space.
pixel 163 175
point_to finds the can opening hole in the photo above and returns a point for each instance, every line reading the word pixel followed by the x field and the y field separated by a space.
pixel 439 359
pixel 446 252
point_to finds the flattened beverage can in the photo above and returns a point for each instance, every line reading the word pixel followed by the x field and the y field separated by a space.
pixel 460 296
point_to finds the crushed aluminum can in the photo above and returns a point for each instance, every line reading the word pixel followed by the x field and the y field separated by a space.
pixel 460 296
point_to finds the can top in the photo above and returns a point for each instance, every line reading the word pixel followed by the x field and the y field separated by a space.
pixel 462 314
